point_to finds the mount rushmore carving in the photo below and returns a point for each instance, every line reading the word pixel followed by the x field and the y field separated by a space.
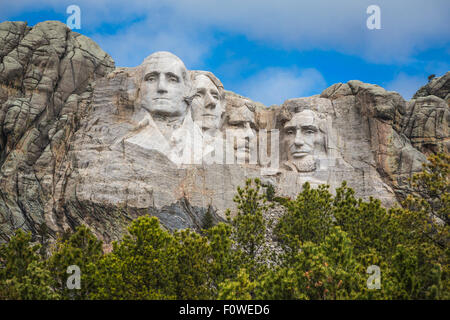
pixel 84 142
pixel 181 115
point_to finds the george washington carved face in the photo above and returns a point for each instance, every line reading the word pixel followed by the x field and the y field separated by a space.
pixel 164 85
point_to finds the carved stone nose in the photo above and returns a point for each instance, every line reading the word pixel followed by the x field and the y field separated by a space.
pixel 209 102
pixel 299 140
pixel 162 86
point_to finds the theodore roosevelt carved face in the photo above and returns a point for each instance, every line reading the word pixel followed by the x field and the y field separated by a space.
pixel 242 126
pixel 165 85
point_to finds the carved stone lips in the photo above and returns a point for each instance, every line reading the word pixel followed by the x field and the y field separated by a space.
pixel 299 153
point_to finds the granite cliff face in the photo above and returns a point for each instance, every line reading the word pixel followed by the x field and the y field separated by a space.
pixel 46 77
pixel 83 142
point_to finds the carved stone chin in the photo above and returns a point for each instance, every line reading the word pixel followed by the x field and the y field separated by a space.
pixel 308 164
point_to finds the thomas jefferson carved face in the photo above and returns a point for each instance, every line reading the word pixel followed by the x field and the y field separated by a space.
pixel 164 85
pixel 303 140
pixel 207 104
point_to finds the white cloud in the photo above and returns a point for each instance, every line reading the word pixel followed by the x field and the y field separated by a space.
pixel 408 26
pixel 130 46
pixel 406 85
pixel 275 85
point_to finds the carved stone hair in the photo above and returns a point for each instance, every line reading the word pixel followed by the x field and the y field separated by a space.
pixel 196 73
pixel 166 54
pixel 184 72
pixel 285 115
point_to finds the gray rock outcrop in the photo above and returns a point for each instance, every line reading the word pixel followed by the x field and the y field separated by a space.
pixel 439 87
pixel 46 82
pixel 84 142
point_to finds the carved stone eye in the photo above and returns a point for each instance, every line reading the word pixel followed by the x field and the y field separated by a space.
pixel 290 132
pixel 150 78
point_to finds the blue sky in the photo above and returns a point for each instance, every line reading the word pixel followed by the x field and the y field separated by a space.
pixel 271 50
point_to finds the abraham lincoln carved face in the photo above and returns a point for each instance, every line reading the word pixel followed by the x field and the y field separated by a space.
pixel 304 140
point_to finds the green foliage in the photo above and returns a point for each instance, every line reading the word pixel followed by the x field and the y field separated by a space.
pixel 240 288
pixel 270 192
pixel 193 279
pixel 279 283
pixel 142 266
pixel 348 236
pixel 224 264
pixel 17 255
pixel 328 270
pixel 82 249
pixel 432 200
pixel 22 272
pixel 249 228
pixel 368 224
pixel 307 218
pixel 208 221
pixel 415 274
pixel 249 225
pixel 44 239
pixel 325 244
pixel 410 244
